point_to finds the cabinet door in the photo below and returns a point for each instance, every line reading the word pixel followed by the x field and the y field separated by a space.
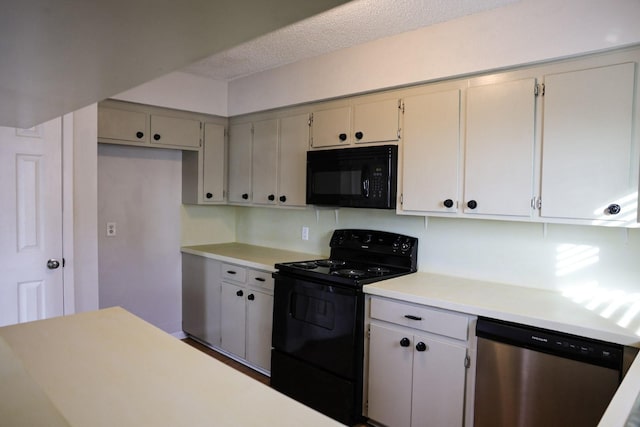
pixel 258 333
pixel 265 162
pixel 331 127
pixel 240 162
pixel 390 376
pixel 201 298
pixel 122 125
pixel 439 375
pixel 214 163
pixel 431 145
pixel 376 121
pixel 175 132
pixel 500 148
pixel 292 164
pixel 587 144
pixel 232 319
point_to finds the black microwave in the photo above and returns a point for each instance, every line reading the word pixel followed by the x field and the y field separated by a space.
pixel 361 177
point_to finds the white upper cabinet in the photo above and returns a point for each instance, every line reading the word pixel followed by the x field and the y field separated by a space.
pixel 363 121
pixel 175 131
pixel 499 154
pixel 214 163
pixel 331 127
pixel 292 164
pixel 122 125
pixel 265 162
pixel 589 162
pixel 240 136
pixel 431 146
pixel 376 121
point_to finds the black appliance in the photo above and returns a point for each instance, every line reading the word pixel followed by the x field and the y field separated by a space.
pixel 318 318
pixel 362 177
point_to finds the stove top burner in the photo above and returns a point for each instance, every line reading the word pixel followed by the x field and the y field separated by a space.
pixel 350 273
pixel 309 265
pixel 330 263
pixel 379 270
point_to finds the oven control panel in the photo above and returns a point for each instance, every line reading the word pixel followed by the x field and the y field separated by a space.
pixel 372 240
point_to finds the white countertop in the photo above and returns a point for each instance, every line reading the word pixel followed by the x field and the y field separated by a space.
pixel 260 257
pixel 110 368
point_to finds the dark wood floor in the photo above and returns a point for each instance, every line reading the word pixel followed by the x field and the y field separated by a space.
pixel 236 365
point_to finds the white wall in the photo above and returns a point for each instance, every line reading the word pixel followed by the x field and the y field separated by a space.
pixel 523 32
pixel 140 190
pixel 182 91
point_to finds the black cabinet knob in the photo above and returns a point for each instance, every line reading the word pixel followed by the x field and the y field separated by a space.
pixel 613 209
pixel 251 297
pixel 239 293
pixel 404 342
pixel 209 195
pixel 421 346
pixel 359 135
pixel 271 197
pixel 139 135
pixel 156 136
pixel 245 196
pixel 472 204
pixel 283 199
pixel 448 203
pixel 343 137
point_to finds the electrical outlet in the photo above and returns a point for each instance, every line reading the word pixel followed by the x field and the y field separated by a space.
pixel 305 233
pixel 111 229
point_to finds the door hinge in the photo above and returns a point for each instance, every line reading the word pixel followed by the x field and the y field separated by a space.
pixel 536 203
pixel 467 361
pixel 538 90
pixel 401 199
pixel 310 121
pixel 368 331
pixel 401 106
pixel 399 134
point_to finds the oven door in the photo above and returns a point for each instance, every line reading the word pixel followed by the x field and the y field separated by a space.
pixel 318 323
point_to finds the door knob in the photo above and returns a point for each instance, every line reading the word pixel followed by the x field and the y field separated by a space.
pixel 52 264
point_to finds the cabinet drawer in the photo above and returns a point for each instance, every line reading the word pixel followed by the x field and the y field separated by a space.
pixel 260 279
pixel 420 317
pixel 234 273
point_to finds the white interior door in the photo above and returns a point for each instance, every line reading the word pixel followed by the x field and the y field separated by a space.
pixel 31 223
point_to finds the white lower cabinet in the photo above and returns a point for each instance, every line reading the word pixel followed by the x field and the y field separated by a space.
pixel 418 364
pixel 246 314
pixel 201 298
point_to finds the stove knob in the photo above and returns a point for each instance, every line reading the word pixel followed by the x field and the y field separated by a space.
pixel 368 238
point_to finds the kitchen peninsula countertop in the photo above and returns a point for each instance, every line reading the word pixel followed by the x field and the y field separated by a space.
pixel 110 368
pixel 260 257
pixel 534 307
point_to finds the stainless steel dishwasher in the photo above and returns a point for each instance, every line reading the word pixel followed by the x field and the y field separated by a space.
pixel 535 377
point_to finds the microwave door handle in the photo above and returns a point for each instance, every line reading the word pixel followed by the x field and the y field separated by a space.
pixel 365 188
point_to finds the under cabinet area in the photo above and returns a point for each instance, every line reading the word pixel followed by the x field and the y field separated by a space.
pixel 418 365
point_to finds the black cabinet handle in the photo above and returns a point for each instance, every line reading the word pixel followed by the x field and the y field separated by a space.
pixel 472 204
pixel 271 197
pixel 245 196
pixel 209 195
pixel 448 203
pixel 613 209
pixel 283 199
pixel 260 279
pixel 412 317
pixel 359 135
pixel 404 342
pixel 156 136
pixel 343 137
pixel 251 297
pixel 139 135
pixel 421 346
pixel 239 293
pixel 231 272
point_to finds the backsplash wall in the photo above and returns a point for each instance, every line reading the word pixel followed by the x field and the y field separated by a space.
pixel 556 257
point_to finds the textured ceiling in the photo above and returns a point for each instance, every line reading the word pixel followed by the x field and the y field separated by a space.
pixel 353 23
